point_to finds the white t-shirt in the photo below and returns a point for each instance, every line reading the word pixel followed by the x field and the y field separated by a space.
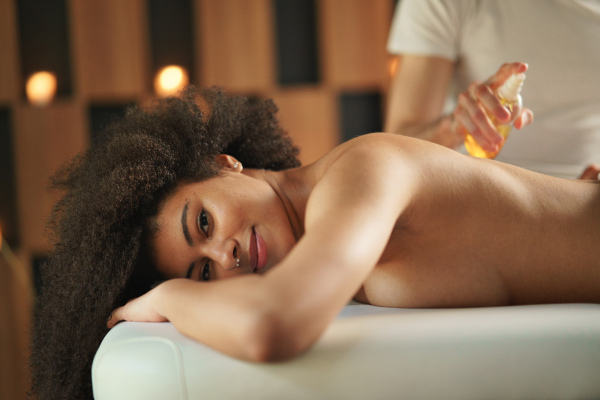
pixel 559 39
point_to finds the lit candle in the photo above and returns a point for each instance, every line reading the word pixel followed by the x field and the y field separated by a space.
pixel 393 66
pixel 7 254
pixel 169 80
pixel 41 88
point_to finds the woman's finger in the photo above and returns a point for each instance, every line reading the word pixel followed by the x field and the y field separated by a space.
pixel 115 317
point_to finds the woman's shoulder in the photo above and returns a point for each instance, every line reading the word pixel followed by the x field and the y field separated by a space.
pixel 372 144
pixel 373 160
pixel 386 150
pixel 364 146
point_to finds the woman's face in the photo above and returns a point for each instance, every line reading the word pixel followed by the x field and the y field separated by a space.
pixel 206 227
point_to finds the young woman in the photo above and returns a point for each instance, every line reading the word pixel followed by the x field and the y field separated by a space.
pixel 260 257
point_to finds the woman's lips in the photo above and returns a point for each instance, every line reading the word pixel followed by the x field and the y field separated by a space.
pixel 252 250
pixel 257 252
pixel 261 250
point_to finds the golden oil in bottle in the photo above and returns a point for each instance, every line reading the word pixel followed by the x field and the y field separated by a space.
pixel 509 96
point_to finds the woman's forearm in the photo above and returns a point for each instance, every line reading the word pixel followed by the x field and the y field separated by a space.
pixel 232 316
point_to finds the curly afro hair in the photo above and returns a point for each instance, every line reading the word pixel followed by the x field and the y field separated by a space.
pixel 100 227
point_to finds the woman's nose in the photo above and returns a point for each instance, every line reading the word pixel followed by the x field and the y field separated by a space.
pixel 225 254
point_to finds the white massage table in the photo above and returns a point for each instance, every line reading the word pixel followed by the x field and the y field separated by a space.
pixel 531 352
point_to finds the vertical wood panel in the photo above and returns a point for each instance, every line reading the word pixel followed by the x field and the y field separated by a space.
pixel 171 34
pixel 15 322
pixel 297 42
pixel 8 197
pixel 47 138
pixel 10 357
pixel 354 37
pixel 360 113
pixel 235 39
pixel 310 117
pixel 9 76
pixel 102 115
pixel 44 41
pixel 110 48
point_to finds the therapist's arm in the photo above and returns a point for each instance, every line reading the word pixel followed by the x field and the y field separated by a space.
pixel 416 100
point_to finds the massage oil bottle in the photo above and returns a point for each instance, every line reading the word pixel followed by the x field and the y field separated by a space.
pixel 509 96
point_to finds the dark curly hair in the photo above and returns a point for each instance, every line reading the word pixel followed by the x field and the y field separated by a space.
pixel 100 227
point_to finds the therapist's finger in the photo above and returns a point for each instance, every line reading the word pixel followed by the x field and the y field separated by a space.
pixel 473 117
pixel 524 119
pixel 591 172
pixel 504 72
pixel 486 96
pixel 465 125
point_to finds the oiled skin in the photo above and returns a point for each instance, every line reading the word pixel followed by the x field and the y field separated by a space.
pixel 388 220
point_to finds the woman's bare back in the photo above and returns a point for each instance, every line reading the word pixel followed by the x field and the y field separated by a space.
pixel 482 233
pixel 394 222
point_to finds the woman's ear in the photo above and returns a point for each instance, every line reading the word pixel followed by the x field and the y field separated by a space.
pixel 229 162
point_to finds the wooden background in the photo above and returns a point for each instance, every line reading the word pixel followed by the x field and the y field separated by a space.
pixel 110 63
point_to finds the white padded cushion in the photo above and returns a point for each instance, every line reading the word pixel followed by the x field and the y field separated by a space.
pixel 533 352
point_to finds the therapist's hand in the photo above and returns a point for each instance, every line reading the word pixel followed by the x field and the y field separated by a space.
pixel 591 172
pixel 141 309
pixel 479 99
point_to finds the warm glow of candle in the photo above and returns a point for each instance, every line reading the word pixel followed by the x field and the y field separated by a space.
pixel 393 66
pixel 170 80
pixel 7 255
pixel 41 88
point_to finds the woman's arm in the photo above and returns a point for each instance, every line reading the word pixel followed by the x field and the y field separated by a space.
pixel 349 218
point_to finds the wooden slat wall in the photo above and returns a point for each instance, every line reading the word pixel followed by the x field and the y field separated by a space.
pixel 9 74
pixel 354 34
pixel 11 360
pixel 110 50
pixel 236 42
pixel 15 306
pixel 309 116
pixel 46 138
pixel 234 47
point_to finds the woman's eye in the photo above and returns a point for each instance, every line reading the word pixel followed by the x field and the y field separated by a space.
pixel 205 273
pixel 203 222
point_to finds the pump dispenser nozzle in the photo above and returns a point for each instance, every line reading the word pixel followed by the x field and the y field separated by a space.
pixel 509 96
pixel 511 89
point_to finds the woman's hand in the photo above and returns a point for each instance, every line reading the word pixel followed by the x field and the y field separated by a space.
pixel 142 309
pixel 479 100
